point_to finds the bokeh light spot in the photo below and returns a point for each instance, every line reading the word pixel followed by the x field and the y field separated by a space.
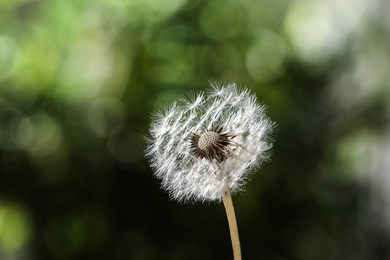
pixel 22 132
pixel 265 59
pixel 309 28
pixel 86 70
pixel 47 135
pixel 153 10
pixel 221 20
pixel 358 153
pixel 15 228
pixel 170 42
pixel 106 116
pixel 173 58
pixel 165 8
pixel 8 56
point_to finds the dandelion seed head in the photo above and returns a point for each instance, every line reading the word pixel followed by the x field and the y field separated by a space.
pixel 209 143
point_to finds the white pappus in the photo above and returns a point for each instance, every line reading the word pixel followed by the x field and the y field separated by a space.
pixel 207 144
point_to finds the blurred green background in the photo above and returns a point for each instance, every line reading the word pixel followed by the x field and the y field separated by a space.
pixel 79 80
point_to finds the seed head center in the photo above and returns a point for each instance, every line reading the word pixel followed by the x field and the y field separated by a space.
pixel 207 140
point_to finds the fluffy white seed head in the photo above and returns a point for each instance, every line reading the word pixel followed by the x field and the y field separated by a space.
pixel 206 145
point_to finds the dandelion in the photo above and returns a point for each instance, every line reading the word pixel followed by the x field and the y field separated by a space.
pixel 204 147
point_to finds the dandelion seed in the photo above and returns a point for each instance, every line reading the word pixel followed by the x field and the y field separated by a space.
pixel 209 143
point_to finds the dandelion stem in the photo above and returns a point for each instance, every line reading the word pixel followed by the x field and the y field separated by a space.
pixel 231 216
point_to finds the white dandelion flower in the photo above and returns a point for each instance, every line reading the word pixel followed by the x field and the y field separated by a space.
pixel 207 144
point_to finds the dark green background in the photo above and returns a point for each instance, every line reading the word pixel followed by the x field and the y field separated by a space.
pixel 79 80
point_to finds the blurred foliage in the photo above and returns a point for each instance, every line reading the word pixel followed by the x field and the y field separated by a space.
pixel 79 79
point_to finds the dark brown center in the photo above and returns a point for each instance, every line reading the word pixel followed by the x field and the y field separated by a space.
pixel 212 144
